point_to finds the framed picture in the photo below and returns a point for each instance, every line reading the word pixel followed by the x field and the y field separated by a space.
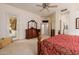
pixel 77 23
pixel 12 26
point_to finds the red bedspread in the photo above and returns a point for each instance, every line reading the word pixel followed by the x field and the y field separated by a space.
pixel 60 44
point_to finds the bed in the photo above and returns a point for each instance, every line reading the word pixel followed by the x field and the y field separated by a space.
pixel 59 45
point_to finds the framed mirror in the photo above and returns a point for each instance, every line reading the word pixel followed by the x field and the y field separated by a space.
pixel 32 24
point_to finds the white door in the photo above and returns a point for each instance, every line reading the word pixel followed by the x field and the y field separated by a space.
pixel 44 29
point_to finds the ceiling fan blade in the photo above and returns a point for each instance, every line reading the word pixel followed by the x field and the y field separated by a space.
pixel 39 5
pixel 54 6
pixel 41 9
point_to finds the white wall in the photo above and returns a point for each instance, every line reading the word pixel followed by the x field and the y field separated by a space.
pixel 51 19
pixel 57 22
pixel 22 18
pixel 72 27
pixel 70 20
pixel 65 19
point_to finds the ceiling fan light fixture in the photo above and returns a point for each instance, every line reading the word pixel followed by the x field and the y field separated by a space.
pixel 46 6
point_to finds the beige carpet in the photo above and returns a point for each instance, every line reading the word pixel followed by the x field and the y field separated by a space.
pixel 20 47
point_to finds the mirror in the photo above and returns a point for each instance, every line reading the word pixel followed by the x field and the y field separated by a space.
pixel 32 24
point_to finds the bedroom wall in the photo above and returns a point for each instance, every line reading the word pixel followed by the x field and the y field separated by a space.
pixel 72 22
pixel 51 19
pixel 65 19
pixel 22 18
pixel 57 22
pixel 74 13
pixel 0 27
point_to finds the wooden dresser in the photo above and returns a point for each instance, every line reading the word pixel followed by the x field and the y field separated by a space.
pixel 32 33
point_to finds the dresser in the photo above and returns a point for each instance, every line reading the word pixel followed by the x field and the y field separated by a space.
pixel 31 31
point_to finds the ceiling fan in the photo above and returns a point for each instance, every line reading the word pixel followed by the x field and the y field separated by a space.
pixel 46 6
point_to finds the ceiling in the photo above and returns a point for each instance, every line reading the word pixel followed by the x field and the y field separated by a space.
pixel 31 7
